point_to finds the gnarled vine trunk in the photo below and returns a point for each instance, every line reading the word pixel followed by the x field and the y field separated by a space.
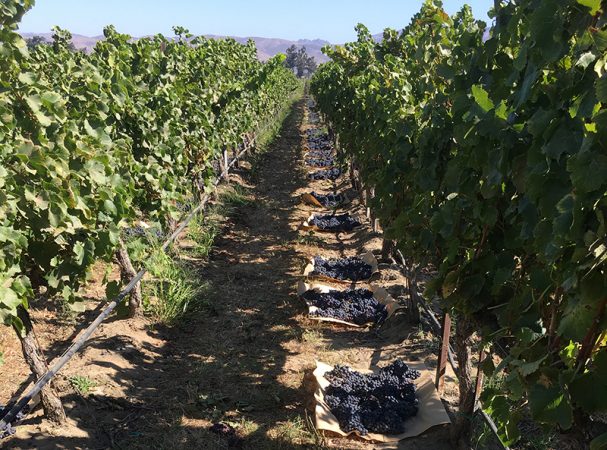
pixel 127 273
pixel 51 403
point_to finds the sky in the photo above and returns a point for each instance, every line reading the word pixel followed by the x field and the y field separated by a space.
pixel 331 20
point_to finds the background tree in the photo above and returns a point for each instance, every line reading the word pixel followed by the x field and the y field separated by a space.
pixel 300 62
pixel 35 41
pixel 292 55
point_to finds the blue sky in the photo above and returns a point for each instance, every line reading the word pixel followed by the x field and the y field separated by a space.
pixel 333 20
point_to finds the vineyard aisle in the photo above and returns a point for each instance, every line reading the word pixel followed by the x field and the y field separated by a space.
pixel 243 358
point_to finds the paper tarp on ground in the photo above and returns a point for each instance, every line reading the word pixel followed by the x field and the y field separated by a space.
pixel 367 257
pixel 431 410
pixel 380 294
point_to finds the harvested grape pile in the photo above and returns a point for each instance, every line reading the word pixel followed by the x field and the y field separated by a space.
pixel 330 174
pixel 377 403
pixel 356 306
pixel 330 222
pixel 320 162
pixel 320 142
pixel 351 268
pixel 328 200
pixel 321 154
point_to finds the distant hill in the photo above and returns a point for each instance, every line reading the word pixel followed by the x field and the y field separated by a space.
pixel 266 47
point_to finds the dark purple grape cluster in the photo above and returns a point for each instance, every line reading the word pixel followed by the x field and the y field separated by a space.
pixel 329 174
pixel 136 231
pixel 9 429
pixel 139 231
pixel 227 431
pixel 222 429
pixel 320 162
pixel 216 166
pixel 322 154
pixel 328 200
pixel 377 403
pixel 183 207
pixel 330 222
pixel 351 268
pixel 356 306
pixel 319 141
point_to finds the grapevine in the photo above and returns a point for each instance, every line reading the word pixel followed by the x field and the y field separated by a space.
pixel 486 152
pixel 92 144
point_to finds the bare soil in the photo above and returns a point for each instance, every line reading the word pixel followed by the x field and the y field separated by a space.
pixel 246 358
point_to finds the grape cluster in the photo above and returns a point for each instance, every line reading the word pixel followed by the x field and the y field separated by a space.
pixel 134 231
pixel 139 231
pixel 322 154
pixel 228 432
pixel 320 162
pixel 319 142
pixel 330 174
pixel 320 146
pixel 339 222
pixel 216 166
pixel 351 268
pixel 377 403
pixel 9 429
pixel 222 429
pixel 328 200
pixel 183 207
pixel 356 306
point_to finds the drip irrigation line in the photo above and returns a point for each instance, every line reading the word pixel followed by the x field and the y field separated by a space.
pixel 83 337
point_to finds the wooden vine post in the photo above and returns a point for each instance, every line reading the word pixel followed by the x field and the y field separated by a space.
pixel 127 273
pixel 443 355
pixel 235 156
pixel 226 164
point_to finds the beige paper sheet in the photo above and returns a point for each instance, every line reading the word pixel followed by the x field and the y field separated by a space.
pixel 380 294
pixel 306 226
pixel 431 410
pixel 368 257
pixel 311 200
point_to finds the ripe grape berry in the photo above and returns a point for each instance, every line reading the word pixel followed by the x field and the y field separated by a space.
pixel 328 200
pixel 377 403
pixel 331 222
pixel 351 268
pixel 356 306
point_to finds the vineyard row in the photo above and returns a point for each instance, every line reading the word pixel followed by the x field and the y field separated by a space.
pixel 486 152
pixel 94 145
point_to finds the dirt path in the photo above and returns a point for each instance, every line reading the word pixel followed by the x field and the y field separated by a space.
pixel 244 358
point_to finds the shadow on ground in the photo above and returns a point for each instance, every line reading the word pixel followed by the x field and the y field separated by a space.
pixel 224 362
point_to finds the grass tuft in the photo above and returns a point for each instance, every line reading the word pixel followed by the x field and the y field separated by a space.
pixel 173 290
pixel 82 384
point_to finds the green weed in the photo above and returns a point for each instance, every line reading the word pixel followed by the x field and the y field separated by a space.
pixel 82 384
pixel 173 290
